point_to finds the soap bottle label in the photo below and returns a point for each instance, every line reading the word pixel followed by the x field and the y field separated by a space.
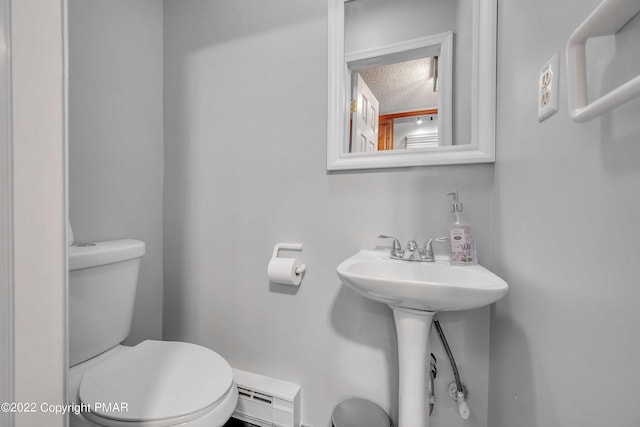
pixel 461 246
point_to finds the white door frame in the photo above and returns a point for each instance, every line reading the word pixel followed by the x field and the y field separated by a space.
pixel 33 208
pixel 6 222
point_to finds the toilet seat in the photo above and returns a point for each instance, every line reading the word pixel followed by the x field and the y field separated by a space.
pixel 156 384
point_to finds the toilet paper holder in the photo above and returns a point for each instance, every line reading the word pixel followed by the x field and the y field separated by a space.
pixel 289 247
pixel 299 269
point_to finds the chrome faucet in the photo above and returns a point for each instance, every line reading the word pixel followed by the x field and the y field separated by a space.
pixel 412 251
pixel 412 248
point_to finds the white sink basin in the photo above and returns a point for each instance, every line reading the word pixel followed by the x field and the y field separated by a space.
pixel 416 291
pixel 428 286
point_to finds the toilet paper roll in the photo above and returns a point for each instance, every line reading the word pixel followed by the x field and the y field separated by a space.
pixel 287 271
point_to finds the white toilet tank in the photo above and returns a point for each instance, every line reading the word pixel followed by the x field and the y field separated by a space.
pixel 102 287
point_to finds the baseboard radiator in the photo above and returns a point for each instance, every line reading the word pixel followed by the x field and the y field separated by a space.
pixel 266 402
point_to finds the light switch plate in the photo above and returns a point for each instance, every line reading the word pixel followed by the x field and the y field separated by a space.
pixel 548 88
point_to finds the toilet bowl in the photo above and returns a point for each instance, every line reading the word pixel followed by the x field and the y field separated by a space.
pixel 152 384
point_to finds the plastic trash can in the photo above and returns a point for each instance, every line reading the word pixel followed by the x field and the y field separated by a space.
pixel 359 413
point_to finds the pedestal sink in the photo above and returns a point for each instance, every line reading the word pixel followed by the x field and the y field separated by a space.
pixel 416 291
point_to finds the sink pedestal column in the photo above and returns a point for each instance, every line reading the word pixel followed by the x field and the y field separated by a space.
pixel 412 328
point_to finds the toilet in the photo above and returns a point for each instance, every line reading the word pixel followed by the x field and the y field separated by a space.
pixel 152 384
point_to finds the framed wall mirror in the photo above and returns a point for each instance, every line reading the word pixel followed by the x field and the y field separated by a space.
pixel 411 83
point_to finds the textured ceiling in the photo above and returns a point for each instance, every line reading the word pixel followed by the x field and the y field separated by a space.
pixel 405 86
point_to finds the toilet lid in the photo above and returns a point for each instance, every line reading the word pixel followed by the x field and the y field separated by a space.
pixel 156 380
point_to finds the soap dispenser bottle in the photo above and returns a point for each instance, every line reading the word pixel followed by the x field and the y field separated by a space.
pixel 462 245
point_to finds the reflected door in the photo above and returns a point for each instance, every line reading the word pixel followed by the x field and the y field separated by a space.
pixel 364 137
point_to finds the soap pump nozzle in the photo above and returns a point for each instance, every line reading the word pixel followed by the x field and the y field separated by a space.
pixel 456 206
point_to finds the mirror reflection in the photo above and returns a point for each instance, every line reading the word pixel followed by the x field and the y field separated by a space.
pixel 399 79
pixel 394 105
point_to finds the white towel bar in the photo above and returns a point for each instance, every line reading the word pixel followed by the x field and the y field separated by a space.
pixel 607 19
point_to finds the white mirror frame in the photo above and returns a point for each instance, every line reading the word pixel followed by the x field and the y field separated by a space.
pixel 481 148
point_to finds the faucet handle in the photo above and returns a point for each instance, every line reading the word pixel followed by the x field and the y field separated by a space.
pixel 427 252
pixel 396 250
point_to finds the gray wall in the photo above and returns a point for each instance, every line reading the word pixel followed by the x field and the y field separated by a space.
pixel 245 168
pixel 565 211
pixel 116 136
pixel 372 23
